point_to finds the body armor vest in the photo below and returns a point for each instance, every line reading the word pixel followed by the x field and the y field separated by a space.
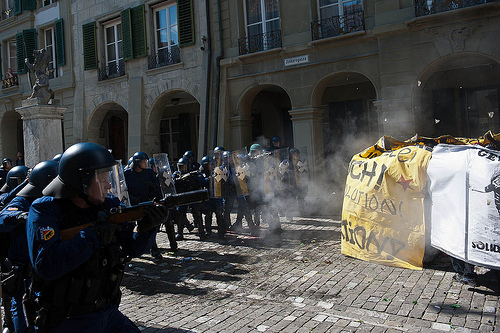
pixel 92 286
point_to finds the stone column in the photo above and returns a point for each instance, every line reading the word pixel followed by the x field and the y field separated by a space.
pixel 308 135
pixel 42 130
pixel 240 131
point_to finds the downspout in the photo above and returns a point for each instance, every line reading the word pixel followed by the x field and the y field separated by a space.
pixel 209 75
pixel 217 78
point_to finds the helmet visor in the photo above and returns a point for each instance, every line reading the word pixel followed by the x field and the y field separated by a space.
pixel 119 187
pixel 97 183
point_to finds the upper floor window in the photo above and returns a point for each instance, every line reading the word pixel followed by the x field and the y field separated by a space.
pixel 49 41
pixel 263 26
pixel 337 17
pixel 166 37
pixel 8 9
pixel 47 2
pixel 12 55
pixel 113 48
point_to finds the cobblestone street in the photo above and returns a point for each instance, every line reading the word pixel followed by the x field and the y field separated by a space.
pixel 298 282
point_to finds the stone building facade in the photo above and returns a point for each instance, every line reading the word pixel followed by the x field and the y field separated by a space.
pixel 328 77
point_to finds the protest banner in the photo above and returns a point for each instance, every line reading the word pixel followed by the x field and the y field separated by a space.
pixel 383 208
pixel 464 186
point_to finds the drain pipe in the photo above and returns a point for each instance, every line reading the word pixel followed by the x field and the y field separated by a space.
pixel 209 76
pixel 217 77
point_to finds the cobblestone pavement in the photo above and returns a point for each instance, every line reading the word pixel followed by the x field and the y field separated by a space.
pixel 299 282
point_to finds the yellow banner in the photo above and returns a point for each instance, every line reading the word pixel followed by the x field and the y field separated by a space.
pixel 383 210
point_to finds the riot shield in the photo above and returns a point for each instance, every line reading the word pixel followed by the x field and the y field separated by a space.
pixel 300 166
pixel 118 185
pixel 164 174
pixel 280 157
pixel 219 176
pixel 270 173
pixel 240 171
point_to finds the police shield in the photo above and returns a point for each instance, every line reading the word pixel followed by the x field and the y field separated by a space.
pixel 164 174
pixel 240 171
pixel 119 187
pixel 280 156
pixel 219 175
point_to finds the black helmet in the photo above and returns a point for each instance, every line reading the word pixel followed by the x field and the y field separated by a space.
pixel 57 158
pixel 152 161
pixel 189 155
pixel 205 160
pixel 76 169
pixel 5 161
pixel 275 139
pixel 139 156
pixel 15 176
pixel 182 165
pixel 41 175
pixel 219 149
pixel 294 151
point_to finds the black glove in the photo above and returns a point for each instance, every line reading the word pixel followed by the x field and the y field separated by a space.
pixel 105 231
pixel 153 217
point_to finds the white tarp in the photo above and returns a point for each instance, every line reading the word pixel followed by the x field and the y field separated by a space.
pixel 464 185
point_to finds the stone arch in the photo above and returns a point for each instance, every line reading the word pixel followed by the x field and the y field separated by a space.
pixel 262 111
pixel 108 126
pixel 172 110
pixel 440 94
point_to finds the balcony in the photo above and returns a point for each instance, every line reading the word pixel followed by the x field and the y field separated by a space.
pixel 338 25
pixel 428 7
pixel 164 57
pixel 267 41
pixel 10 82
pixel 7 14
pixel 111 72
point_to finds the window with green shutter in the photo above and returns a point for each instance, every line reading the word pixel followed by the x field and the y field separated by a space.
pixel 186 22
pixel 17 7
pixel 29 4
pixel 25 44
pixel 59 37
pixel 133 33
pixel 89 46
pixel 138 31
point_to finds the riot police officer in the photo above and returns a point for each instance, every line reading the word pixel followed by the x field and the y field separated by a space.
pixel 193 165
pixel 185 181
pixel 77 281
pixel 143 186
pixel 214 204
pixel 14 244
pixel 17 178
pixel 4 169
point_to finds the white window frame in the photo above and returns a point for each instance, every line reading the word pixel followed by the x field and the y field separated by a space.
pixel 169 27
pixel 57 71
pixel 341 6
pixel 48 4
pixel 262 21
pixel 12 59
pixel 117 43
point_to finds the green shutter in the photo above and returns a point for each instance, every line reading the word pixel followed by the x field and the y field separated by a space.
pixel 138 31
pixel 89 46
pixel 17 7
pixel 59 34
pixel 20 54
pixel 127 47
pixel 29 38
pixel 29 4
pixel 186 22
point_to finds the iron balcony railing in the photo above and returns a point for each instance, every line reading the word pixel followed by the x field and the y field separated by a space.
pixel 338 25
pixel 428 7
pixel 110 72
pixel 10 82
pixel 7 13
pixel 256 43
pixel 164 57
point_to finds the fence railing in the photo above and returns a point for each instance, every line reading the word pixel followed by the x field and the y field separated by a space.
pixel 428 7
pixel 10 82
pixel 261 42
pixel 110 72
pixel 164 58
pixel 338 25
